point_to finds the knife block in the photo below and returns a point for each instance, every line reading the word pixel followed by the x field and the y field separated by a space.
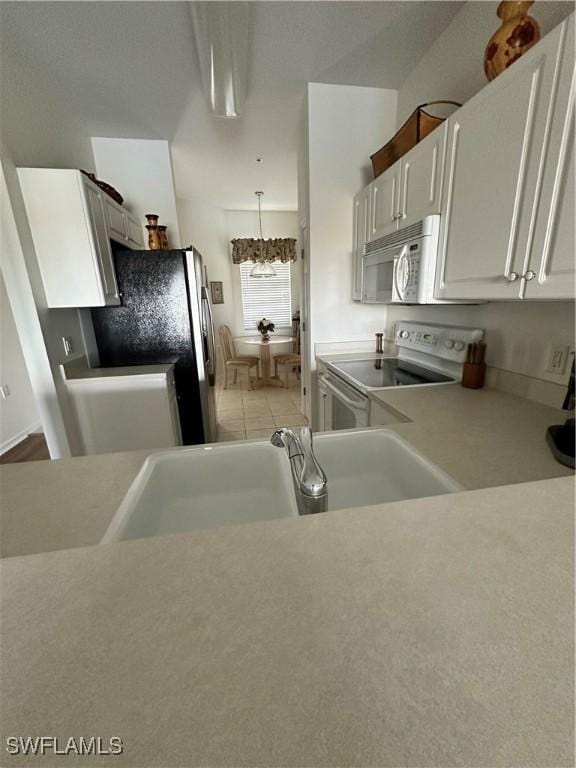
pixel 473 375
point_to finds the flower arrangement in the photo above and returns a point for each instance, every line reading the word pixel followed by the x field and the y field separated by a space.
pixel 265 327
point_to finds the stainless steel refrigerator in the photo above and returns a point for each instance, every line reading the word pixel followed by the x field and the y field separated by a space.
pixel 165 317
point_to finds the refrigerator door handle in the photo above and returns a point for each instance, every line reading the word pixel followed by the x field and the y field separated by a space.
pixel 211 362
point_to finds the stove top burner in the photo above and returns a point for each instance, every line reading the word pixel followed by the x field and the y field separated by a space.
pixel 389 372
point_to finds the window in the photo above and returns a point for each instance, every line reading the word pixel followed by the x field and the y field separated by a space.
pixel 268 297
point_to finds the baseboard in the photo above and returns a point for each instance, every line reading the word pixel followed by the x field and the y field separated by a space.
pixel 7 445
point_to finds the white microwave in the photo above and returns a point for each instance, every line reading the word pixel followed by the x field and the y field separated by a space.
pixel 400 267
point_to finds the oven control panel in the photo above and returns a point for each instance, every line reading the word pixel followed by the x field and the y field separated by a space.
pixel 444 341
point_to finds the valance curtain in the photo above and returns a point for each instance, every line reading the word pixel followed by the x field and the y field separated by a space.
pixel 251 249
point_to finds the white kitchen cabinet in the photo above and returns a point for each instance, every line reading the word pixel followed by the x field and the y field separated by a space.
pixel 72 223
pixel 496 154
pixel 410 189
pixel 421 178
pixel 361 211
pixel 122 227
pixel 384 208
pixel 70 234
pixel 116 220
pixel 134 233
pixel 117 410
pixel 551 258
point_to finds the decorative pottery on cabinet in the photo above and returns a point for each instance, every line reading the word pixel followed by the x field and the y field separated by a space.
pixel 518 33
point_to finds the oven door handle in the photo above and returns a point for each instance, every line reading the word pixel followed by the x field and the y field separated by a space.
pixel 358 405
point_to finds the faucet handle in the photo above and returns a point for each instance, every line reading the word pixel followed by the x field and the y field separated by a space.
pixel 313 481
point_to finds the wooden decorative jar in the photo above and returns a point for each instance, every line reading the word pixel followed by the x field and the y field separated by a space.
pixel 518 33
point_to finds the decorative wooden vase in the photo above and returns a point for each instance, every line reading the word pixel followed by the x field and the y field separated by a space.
pixel 153 238
pixel 518 33
pixel 163 236
pixel 154 241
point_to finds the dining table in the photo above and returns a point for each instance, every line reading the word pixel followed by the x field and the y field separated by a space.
pixel 266 379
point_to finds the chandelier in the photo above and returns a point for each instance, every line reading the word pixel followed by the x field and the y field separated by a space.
pixel 263 252
pixel 261 268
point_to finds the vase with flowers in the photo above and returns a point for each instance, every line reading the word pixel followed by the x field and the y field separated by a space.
pixel 266 327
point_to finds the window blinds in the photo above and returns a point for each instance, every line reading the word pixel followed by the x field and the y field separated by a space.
pixel 268 297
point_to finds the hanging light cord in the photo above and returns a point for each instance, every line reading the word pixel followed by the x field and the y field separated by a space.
pixel 259 196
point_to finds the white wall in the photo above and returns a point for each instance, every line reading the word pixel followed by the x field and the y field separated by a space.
pixel 345 125
pixel 518 335
pixel 141 170
pixel 211 229
pixel 38 129
pixel 33 321
pixel 18 412
pixel 453 66
pixel 274 224
pixel 28 301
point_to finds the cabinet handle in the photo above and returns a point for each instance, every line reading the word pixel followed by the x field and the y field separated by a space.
pixel 512 276
pixel 530 275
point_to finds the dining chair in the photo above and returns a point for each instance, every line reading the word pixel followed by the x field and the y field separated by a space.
pixel 235 362
pixel 290 361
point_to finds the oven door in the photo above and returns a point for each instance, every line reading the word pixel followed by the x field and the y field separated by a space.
pixel 341 406
pixel 385 275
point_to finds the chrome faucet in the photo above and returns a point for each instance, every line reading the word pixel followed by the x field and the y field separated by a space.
pixel 310 483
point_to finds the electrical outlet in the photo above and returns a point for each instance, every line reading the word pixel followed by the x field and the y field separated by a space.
pixel 557 359
pixel 67 342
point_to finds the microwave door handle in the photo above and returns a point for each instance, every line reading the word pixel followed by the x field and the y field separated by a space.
pixel 400 282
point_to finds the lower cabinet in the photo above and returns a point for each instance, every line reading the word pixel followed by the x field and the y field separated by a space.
pixel 125 412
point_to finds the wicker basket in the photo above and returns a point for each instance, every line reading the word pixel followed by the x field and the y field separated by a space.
pixel 419 124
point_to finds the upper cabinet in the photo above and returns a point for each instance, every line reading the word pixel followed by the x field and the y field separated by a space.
pixel 421 178
pixel 72 222
pixel 121 226
pixel 500 172
pixel 411 188
pixel 552 247
pixel 361 211
pixel 507 211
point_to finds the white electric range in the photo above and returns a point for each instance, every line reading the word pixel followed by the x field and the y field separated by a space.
pixel 429 355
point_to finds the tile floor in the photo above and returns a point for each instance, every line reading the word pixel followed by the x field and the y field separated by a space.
pixel 244 414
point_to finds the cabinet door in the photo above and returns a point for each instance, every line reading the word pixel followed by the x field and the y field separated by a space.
pixel 493 153
pixel 116 219
pixel 135 235
pixel 421 174
pixel 553 247
pixel 385 202
pixel 359 237
pixel 103 251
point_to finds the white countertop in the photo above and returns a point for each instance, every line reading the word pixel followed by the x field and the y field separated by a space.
pixel 75 373
pixel 434 632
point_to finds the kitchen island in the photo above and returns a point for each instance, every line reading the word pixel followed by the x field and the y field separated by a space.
pixel 430 632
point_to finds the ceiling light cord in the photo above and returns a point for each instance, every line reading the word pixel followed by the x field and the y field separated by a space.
pixel 261 268
pixel 259 196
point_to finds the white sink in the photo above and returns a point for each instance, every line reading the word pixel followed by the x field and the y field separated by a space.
pixel 373 466
pixel 208 486
pixel 204 487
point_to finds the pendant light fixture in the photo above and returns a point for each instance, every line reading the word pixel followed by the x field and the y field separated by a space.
pixel 261 268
